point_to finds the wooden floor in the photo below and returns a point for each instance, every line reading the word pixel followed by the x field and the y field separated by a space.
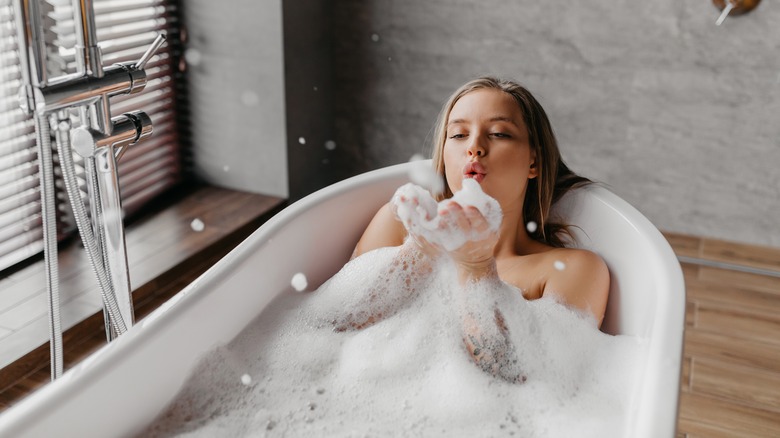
pixel 730 385
pixel 165 253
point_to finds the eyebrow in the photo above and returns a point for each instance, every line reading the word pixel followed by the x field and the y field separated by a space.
pixel 492 119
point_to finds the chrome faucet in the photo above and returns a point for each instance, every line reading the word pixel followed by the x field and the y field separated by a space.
pixel 101 140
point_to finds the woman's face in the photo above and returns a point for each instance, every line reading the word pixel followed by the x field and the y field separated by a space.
pixel 487 140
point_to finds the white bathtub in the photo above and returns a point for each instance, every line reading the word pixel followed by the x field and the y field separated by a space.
pixel 126 384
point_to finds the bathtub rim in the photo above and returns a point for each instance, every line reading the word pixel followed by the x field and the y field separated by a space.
pixel 78 379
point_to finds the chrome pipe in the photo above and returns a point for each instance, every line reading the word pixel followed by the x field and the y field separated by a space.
pixel 101 141
pixel 88 56
pixel 32 54
pixel 113 237
pixel 32 45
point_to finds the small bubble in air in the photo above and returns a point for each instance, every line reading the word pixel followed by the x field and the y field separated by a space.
pixel 246 379
pixel 375 37
pixel 301 140
pixel 197 225
pixel 531 226
pixel 226 168
pixel 250 98
pixel 315 88
pixel 193 57
pixel 422 174
pixel 299 282
pixel 389 58
pixel 330 145
pixel 559 265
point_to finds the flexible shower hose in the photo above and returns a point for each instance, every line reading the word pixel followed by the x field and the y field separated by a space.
pixel 49 223
pixel 85 227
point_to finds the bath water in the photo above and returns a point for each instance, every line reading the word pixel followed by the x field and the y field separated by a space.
pixel 408 374
pixel 378 350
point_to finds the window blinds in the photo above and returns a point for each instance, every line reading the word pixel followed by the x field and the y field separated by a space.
pixel 125 29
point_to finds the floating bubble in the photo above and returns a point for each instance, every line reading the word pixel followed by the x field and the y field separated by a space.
pixel 375 37
pixel 250 98
pixel 330 145
pixel 226 168
pixel 246 379
pixel 315 88
pixel 299 282
pixel 559 265
pixel 422 174
pixel 531 226
pixel 389 58
pixel 301 140
pixel 112 215
pixel 197 225
pixel 193 57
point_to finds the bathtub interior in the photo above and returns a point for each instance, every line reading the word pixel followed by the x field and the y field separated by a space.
pixel 127 383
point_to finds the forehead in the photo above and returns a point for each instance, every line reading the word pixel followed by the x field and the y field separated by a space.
pixel 486 104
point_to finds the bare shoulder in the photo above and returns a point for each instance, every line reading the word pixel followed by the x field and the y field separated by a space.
pixel 384 230
pixel 580 278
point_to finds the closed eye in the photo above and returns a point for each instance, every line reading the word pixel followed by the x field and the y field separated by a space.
pixel 500 135
pixel 456 136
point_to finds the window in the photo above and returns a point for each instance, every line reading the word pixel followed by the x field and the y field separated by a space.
pixel 125 29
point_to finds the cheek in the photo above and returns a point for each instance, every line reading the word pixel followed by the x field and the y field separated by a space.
pixel 452 169
pixel 454 179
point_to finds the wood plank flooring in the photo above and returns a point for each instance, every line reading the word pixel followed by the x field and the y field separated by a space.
pixel 165 254
pixel 730 385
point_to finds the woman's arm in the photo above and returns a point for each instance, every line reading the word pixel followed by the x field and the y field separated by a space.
pixel 479 290
pixel 392 283
pixel 383 230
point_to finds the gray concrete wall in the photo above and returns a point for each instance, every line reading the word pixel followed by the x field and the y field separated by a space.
pixel 235 76
pixel 677 115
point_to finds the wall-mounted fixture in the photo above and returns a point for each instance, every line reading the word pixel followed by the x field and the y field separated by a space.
pixel 733 7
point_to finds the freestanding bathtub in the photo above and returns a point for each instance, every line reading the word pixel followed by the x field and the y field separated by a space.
pixel 126 384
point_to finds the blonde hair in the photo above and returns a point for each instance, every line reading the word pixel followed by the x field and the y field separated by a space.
pixel 554 178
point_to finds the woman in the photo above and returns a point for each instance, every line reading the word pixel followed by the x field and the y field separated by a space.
pixel 495 132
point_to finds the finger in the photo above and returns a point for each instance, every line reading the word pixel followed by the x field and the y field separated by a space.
pixel 452 216
pixel 476 219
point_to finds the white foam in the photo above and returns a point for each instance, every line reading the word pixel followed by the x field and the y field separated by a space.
pixel 193 57
pixel 419 213
pixel 250 98
pixel 422 174
pixel 197 225
pixel 299 282
pixel 408 373
pixel 531 226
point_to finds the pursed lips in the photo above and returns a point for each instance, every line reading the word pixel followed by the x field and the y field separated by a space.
pixel 474 170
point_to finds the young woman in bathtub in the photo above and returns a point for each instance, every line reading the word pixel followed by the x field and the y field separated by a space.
pixel 495 132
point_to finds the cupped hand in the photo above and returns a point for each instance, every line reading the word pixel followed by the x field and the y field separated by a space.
pixel 477 250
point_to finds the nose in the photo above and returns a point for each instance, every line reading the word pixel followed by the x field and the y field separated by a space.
pixel 476 148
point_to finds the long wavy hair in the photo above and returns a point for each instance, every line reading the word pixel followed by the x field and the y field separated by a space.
pixel 554 178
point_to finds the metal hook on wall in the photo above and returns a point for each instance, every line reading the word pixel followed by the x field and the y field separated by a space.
pixel 733 7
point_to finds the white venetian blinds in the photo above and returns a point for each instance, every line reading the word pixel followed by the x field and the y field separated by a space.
pixel 125 28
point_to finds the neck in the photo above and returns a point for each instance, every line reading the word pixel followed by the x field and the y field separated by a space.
pixel 514 239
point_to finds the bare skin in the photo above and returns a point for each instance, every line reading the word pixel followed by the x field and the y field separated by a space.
pixel 487 140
